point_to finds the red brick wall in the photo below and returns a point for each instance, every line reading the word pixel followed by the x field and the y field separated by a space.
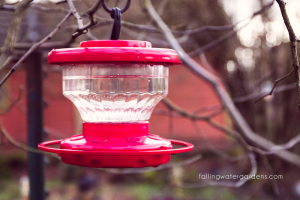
pixel 185 89
pixel 190 93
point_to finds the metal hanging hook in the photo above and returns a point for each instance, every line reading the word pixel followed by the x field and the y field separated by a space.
pixel 110 10
pixel 115 13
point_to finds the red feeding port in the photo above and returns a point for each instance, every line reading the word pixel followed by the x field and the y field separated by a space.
pixel 115 85
pixel 115 145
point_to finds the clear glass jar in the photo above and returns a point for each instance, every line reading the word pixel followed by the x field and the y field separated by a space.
pixel 115 92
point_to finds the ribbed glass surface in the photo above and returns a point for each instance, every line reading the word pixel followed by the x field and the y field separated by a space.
pixel 115 93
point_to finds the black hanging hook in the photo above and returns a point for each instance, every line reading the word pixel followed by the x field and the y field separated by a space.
pixel 110 10
pixel 115 13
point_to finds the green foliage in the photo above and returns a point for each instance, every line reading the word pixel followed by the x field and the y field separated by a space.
pixel 9 190
pixel 53 184
pixel 143 191
pixel 9 163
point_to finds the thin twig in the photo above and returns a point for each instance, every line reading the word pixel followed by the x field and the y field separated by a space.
pixel 46 9
pixel 13 28
pixel 276 148
pixel 15 143
pixel 44 46
pixel 161 7
pixel 22 146
pixel 193 117
pixel 61 1
pixel 208 108
pixel 249 97
pixel 277 81
pixel 34 47
pixel 269 170
pixel 227 36
pixel 151 29
pixel 7 7
pixel 13 103
pixel 258 94
pixel 22 109
pixel 12 98
pixel 190 32
pixel 170 105
pixel 140 27
pixel 272 150
pixel 214 149
pixel 293 44
pixel 213 44
pixel 91 36
pixel 84 28
pixel 154 41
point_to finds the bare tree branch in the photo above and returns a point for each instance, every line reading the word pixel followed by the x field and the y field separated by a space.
pixel 277 81
pixel 22 146
pixel 11 140
pixel 140 27
pixel 229 35
pixel 34 47
pixel 13 28
pixel 16 102
pixel 46 9
pixel 151 29
pixel 225 130
pixel 91 36
pixel 7 7
pixel 246 131
pixel 75 13
pixel 84 28
pixel 185 113
pixel 285 146
pixel 272 150
pixel 258 94
pixel 213 44
pixel 154 41
pixel 269 170
pixel 208 108
pixel 44 46
pixel 13 103
pixel 293 44
pixel 61 1
pixel 215 150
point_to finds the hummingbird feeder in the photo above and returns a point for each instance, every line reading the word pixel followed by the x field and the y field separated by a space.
pixel 115 85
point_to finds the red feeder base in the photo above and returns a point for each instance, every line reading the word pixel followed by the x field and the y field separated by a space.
pixel 115 161
pixel 108 145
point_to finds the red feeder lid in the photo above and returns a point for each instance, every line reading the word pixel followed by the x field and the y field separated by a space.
pixel 133 51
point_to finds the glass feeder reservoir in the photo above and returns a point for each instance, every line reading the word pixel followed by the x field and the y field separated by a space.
pixel 115 85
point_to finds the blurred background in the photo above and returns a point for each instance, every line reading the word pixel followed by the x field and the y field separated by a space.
pixel 248 56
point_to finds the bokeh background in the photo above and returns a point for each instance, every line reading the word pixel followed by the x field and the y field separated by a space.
pixel 254 54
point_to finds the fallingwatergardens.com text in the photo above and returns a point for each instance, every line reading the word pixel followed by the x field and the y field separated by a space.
pixel 208 176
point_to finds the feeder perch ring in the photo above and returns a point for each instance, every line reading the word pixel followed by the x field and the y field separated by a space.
pixel 186 147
